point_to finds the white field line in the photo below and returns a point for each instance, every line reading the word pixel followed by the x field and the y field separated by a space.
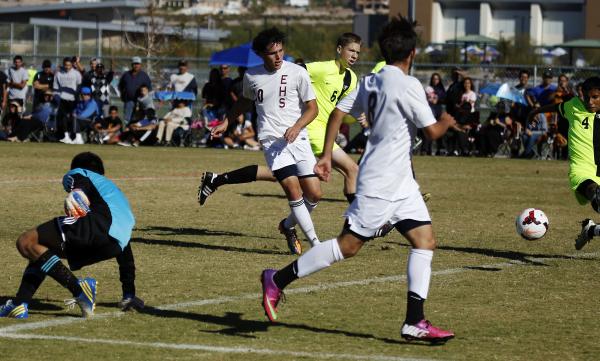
pixel 218 349
pixel 242 297
pixel 249 296
pixel 9 332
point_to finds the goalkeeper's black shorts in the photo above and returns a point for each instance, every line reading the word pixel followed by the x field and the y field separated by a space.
pixel 84 240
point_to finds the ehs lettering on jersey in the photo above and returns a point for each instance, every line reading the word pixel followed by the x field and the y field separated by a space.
pixel 282 90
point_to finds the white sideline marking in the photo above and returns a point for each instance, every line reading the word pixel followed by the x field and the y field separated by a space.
pixel 219 349
pixel 247 296
pixel 10 331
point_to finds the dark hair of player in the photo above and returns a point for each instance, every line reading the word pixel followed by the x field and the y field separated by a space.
pixel 397 39
pixel 523 71
pixel 89 161
pixel 267 37
pixel 591 84
pixel 18 57
pixel 348 38
pixel 113 107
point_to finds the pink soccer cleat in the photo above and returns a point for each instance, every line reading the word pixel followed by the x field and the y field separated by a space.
pixel 425 331
pixel 271 294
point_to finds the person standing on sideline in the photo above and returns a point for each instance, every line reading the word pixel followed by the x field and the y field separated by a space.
pixel 66 84
pixel 183 81
pixel 129 86
pixel 42 82
pixel 17 82
pixel 99 81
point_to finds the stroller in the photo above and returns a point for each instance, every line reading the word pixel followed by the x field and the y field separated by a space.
pixel 196 130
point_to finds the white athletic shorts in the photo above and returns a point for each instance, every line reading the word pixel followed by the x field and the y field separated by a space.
pixel 280 154
pixel 367 214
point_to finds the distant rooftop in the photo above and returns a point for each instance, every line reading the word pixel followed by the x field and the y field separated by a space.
pixel 56 6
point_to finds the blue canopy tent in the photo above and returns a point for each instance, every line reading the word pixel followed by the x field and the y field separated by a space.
pixel 242 55
pixel 172 95
pixel 504 91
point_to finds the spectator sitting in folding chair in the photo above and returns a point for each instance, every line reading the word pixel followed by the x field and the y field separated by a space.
pixel 499 135
pixel 10 121
pixel 534 132
pixel 85 114
pixel 138 132
pixel 39 124
pixel 176 118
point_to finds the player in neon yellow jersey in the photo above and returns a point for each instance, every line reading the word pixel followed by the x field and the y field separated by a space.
pixel 583 116
pixel 378 67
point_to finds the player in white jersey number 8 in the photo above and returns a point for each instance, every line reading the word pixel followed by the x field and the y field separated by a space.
pixel 396 106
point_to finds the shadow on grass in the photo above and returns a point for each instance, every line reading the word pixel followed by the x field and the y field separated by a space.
pixel 36 304
pixel 528 258
pixel 212 247
pixel 173 231
pixel 235 325
pixel 486 269
pixel 281 196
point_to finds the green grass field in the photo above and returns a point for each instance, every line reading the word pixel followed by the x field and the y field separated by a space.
pixel 198 268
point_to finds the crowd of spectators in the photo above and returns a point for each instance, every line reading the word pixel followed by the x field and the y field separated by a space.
pixel 74 105
pixel 506 131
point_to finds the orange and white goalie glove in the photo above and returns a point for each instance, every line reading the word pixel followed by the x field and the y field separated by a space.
pixel 77 204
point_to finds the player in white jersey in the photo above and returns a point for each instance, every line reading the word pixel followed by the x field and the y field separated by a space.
pixel 396 106
pixel 285 104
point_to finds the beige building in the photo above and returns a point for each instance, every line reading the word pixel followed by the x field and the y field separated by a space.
pixel 547 22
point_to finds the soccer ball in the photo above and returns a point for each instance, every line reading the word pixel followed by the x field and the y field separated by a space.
pixel 532 224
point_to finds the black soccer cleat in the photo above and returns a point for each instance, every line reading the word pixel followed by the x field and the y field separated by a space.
pixel 384 230
pixel 291 238
pixel 584 237
pixel 207 187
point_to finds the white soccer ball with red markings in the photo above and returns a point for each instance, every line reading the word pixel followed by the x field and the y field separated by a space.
pixel 532 224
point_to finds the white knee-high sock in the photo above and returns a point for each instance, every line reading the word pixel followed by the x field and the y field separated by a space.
pixel 319 257
pixel 290 221
pixel 301 214
pixel 419 271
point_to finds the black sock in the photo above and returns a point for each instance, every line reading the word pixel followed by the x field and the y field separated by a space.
pixel 32 279
pixel 350 197
pixel 414 308
pixel 242 175
pixel 591 231
pixel 51 265
pixel 286 275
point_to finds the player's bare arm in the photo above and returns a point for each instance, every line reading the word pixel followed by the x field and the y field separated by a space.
pixel 242 106
pixel 550 108
pixel 323 167
pixel 438 129
pixel 311 111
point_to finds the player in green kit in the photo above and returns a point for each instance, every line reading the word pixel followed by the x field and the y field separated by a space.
pixel 584 150
pixel 331 81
